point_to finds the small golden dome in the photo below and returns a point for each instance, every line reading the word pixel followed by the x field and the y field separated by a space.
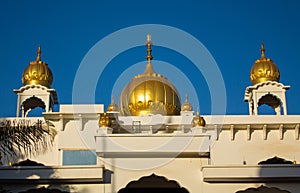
pixel 104 120
pixel 264 69
pixel 113 107
pixel 198 121
pixel 186 106
pixel 37 72
pixel 149 93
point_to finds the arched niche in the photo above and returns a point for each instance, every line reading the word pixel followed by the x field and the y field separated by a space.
pixel 272 101
pixel 263 189
pixel 153 183
pixel 32 103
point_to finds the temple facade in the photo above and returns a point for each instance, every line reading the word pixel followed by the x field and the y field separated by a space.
pixel 151 142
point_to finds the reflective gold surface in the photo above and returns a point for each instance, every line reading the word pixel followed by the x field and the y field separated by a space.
pixel 149 93
pixel 264 69
pixel 198 121
pixel 104 120
pixel 186 106
pixel 37 72
pixel 113 107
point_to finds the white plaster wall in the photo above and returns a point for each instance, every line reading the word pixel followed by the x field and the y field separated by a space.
pixel 186 171
pixel 230 152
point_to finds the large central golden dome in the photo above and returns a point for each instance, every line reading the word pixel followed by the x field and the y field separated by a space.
pixel 264 69
pixel 149 93
pixel 37 72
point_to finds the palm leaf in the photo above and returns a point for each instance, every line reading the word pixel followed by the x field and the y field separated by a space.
pixel 23 137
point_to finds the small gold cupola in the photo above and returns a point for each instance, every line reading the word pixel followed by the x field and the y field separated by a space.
pixel 113 107
pixel 104 120
pixel 198 120
pixel 186 106
pixel 37 72
pixel 264 69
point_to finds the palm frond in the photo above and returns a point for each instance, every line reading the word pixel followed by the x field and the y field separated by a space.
pixel 22 136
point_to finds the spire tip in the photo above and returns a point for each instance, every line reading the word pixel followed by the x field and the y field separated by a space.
pixel 39 52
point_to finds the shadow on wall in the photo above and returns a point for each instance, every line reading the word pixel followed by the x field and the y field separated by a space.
pixel 44 190
pixel 263 189
pixel 273 183
pixel 151 184
pixel 28 185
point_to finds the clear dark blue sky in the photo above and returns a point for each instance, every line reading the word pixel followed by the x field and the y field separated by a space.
pixel 232 31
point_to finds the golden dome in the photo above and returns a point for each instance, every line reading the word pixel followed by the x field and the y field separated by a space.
pixel 149 93
pixel 37 72
pixel 186 106
pixel 264 69
pixel 198 121
pixel 113 107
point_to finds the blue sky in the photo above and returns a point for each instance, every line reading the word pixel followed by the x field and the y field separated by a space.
pixel 232 31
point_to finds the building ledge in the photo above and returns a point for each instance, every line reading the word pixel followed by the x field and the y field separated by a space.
pixel 251 173
pixel 51 175
pixel 156 145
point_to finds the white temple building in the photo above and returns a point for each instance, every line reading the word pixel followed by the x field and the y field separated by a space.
pixel 151 142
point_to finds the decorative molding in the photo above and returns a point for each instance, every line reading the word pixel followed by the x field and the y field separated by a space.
pixel 281 132
pixel 248 132
pixel 269 173
pixel 265 132
pixel 297 132
pixel 217 132
pixel 232 132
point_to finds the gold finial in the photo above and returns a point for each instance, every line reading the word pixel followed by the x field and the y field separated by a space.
pixel 112 107
pixel 262 49
pixel 112 99
pixel 186 98
pixel 186 106
pixel 39 52
pixel 149 50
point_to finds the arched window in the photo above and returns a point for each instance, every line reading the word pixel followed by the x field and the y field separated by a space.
pixel 263 189
pixel 153 184
pixel 33 105
pixel 271 101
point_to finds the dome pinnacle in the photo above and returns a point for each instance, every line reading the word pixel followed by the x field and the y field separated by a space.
pixel 39 52
pixel 262 49
pixel 149 69
pixel 113 107
pixel 186 106
pixel 149 50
